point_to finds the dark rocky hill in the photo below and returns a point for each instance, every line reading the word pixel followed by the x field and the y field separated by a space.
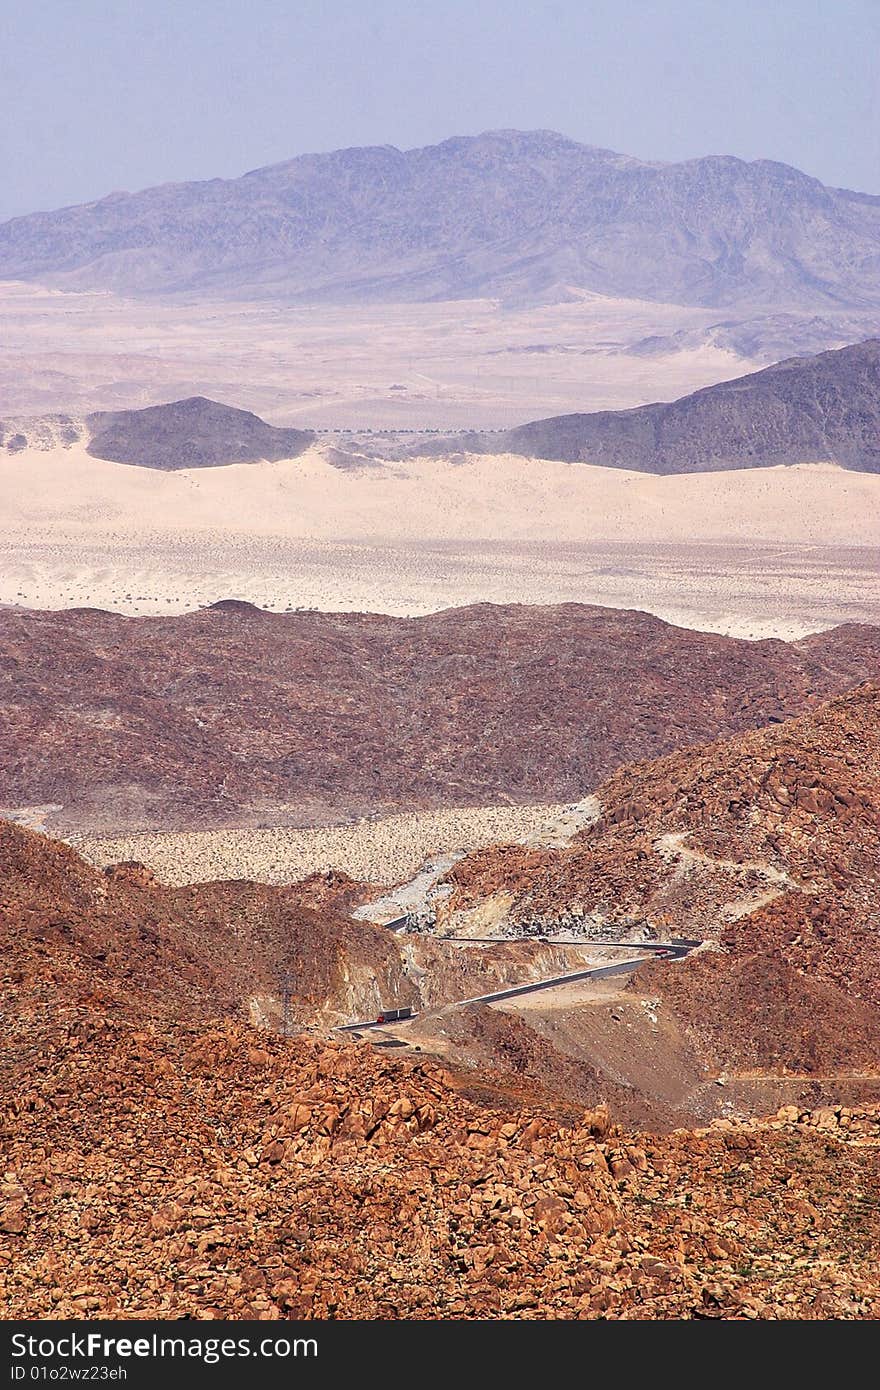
pixel 195 433
pixel 803 410
pixel 525 216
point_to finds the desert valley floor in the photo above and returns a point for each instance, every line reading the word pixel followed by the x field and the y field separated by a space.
pixel 755 553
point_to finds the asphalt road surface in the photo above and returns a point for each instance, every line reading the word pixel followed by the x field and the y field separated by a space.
pixel 597 972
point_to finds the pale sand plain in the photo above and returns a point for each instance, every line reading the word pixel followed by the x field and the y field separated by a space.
pixel 753 553
pixel 465 364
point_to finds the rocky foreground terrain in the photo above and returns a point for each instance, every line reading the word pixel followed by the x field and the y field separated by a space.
pixel 217 1173
pixel 236 716
pixel 161 1159
pixel 165 1157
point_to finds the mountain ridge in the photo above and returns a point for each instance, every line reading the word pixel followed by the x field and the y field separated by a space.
pixel 238 716
pixel 508 214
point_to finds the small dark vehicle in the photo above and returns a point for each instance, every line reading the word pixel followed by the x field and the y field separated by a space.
pixel 393 1015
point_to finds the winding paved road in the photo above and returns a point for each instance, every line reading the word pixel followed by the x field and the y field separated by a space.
pixel 678 949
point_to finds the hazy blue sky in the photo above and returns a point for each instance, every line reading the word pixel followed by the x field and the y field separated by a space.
pixel 98 95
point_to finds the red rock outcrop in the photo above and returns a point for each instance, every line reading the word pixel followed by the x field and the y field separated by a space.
pixel 199 952
pixel 214 1173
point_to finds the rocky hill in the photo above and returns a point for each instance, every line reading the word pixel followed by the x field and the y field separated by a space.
pixel 528 216
pixel 162 1159
pixel 145 951
pixel 765 845
pixel 237 716
pixel 285 957
pixel 192 433
pixel 221 1174
pixel 195 433
pixel 803 410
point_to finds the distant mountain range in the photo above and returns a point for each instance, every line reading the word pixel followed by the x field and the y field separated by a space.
pixel 803 410
pixel 523 216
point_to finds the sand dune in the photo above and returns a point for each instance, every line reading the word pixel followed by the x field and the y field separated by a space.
pixel 494 498
pixel 753 552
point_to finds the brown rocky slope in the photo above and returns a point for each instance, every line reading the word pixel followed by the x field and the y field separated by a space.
pixel 161 1161
pixel 224 949
pixel 212 1174
pixel 134 948
pixel 765 845
pixel 237 716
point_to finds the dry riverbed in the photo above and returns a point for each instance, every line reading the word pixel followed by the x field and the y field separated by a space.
pixel 375 851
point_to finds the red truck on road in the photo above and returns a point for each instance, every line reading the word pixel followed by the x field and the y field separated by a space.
pixel 394 1015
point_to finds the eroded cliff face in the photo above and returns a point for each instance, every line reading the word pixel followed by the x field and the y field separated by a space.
pixel 195 953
